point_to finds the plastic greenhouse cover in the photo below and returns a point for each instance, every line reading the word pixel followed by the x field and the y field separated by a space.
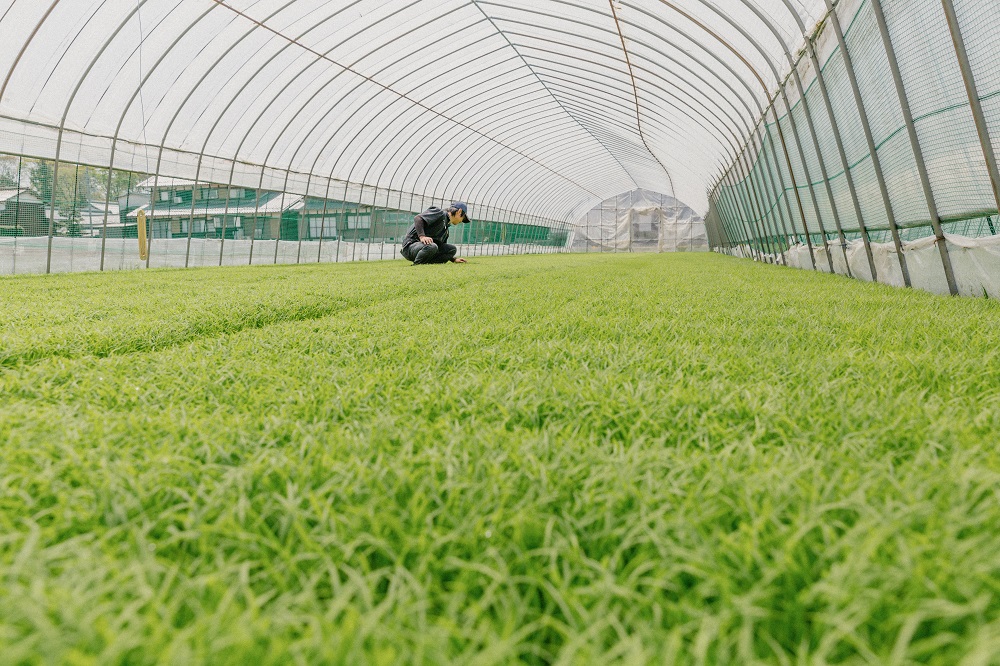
pixel 536 108
pixel 641 221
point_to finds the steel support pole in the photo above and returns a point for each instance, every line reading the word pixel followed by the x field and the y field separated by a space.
pixel 761 183
pixel 781 195
pixel 793 64
pixel 107 205
pixel 748 169
pixel 725 223
pixel 805 169
pixel 746 215
pixel 303 219
pixel 757 218
pixel 779 221
pixel 918 154
pixel 723 215
pixel 754 193
pixel 795 188
pixel 740 210
pixel 722 228
pixel 870 139
pixel 322 229
pixel 735 218
pixel 739 213
pixel 726 219
pixel 741 188
pixel 975 104
pixel 842 152
pixel 823 172
pixel 52 209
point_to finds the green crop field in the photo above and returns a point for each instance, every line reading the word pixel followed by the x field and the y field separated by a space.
pixel 566 459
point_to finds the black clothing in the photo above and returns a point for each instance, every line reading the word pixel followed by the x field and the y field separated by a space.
pixel 432 222
pixel 434 253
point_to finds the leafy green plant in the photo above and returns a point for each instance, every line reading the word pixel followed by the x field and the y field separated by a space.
pixel 562 459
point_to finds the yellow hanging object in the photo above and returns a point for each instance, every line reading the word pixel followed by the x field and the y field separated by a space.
pixel 143 245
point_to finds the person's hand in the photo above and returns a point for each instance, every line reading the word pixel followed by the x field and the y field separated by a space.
pixel 461 261
pixel 426 240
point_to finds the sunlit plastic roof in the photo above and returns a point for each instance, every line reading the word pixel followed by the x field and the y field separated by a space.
pixel 538 107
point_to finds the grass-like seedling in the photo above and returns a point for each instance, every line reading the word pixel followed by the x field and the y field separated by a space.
pixel 565 459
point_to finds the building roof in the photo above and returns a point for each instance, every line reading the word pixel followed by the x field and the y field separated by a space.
pixel 22 195
pixel 164 182
pixel 97 208
pixel 272 203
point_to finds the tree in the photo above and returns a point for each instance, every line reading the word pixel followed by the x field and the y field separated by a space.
pixel 41 180
pixel 72 192
pixel 9 174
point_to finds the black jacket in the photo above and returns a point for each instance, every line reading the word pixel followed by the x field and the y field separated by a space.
pixel 432 222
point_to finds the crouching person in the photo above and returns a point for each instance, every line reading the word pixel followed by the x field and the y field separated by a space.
pixel 426 241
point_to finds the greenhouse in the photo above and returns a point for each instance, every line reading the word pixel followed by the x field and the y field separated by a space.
pixel 499 332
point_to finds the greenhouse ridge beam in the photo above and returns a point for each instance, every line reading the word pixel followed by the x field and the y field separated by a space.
pixel 543 84
pixel 225 4
pixel 635 93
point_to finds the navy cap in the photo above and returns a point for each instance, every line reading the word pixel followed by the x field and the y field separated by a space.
pixel 462 206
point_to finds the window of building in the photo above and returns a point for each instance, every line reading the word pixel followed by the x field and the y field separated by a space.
pixel 327 227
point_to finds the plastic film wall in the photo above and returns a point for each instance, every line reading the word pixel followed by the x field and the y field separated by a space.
pixel 215 132
pixel 876 157
pixel 640 221
pixel 245 131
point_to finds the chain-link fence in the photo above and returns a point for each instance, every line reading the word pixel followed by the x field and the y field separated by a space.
pixel 876 157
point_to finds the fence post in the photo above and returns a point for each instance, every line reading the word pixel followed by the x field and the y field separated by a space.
pixel 870 139
pixel 918 154
pixel 974 102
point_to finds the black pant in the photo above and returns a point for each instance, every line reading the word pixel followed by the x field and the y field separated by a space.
pixel 434 253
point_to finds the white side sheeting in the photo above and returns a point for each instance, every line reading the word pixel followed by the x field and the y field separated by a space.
pixel 976 262
pixel 641 221
pixel 71 255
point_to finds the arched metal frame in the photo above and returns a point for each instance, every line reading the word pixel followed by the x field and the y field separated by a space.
pixel 530 110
